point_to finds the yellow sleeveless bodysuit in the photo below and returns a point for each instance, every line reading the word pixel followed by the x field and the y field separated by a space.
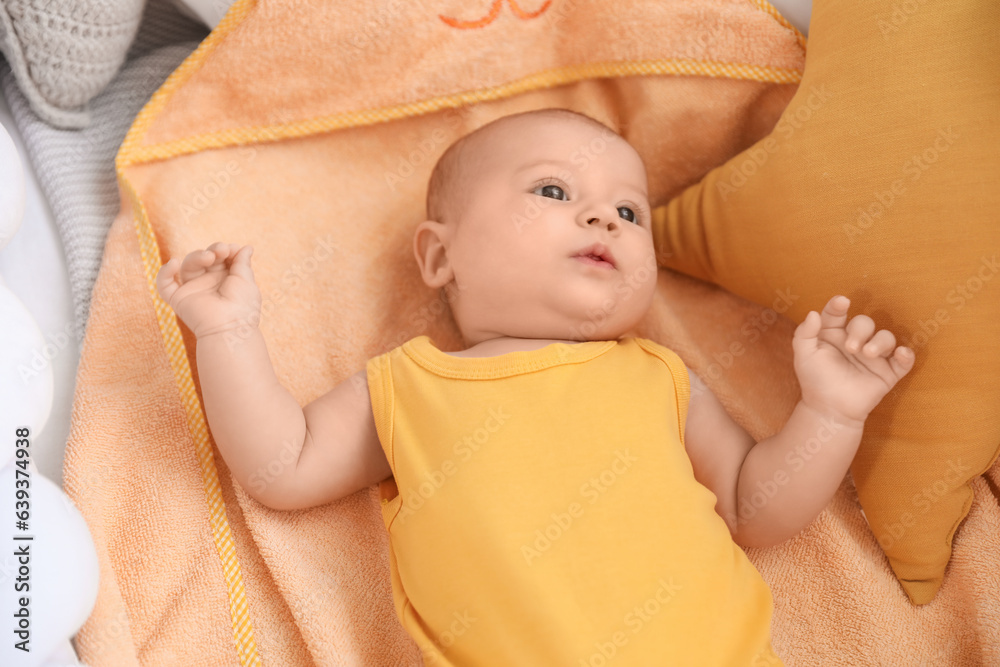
pixel 543 511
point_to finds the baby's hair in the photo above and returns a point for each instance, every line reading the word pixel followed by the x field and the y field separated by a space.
pixel 445 201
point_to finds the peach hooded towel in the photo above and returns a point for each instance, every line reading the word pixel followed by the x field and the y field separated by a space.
pixel 310 134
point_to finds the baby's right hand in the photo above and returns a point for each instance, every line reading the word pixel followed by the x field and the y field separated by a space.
pixel 212 290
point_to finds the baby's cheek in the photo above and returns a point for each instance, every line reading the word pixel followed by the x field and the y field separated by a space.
pixel 644 275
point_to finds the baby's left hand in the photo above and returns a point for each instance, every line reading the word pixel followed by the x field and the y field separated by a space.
pixel 845 370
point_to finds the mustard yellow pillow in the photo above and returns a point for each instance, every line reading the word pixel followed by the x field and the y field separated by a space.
pixel 881 181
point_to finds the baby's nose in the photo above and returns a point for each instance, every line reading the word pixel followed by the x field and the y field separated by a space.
pixel 611 224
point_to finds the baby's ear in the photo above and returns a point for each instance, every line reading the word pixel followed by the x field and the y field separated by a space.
pixel 431 252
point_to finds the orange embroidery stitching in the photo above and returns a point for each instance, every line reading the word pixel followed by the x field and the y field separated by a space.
pixel 494 12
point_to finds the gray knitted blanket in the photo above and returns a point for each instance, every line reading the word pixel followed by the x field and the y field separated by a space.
pixel 75 168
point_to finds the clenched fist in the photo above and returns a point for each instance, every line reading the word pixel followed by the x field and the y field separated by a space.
pixel 212 290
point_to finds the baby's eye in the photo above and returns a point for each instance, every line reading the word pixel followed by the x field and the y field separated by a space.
pixel 634 218
pixel 559 191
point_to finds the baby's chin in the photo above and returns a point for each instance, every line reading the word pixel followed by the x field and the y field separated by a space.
pixel 601 326
pixel 547 322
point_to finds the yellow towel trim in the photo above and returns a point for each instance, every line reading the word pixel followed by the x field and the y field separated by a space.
pixel 131 153
pixel 137 154
pixel 768 8
pixel 243 635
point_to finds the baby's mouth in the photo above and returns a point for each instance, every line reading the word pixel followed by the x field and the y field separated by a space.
pixel 596 254
pixel 594 261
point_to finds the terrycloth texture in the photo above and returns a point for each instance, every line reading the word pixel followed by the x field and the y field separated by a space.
pixel 75 168
pixel 880 182
pixel 64 52
pixel 311 135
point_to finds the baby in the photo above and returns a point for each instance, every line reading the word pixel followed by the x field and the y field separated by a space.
pixel 556 493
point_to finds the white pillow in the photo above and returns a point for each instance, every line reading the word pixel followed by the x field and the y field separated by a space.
pixel 797 12
pixel 209 12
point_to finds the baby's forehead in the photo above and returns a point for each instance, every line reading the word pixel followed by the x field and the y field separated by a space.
pixel 515 146
pixel 529 130
pixel 517 142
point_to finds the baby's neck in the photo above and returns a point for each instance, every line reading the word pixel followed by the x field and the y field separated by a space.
pixel 504 344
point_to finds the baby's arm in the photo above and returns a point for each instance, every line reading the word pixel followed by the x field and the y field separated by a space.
pixel 283 456
pixel 769 491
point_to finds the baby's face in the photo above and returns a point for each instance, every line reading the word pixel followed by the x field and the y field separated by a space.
pixel 547 191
